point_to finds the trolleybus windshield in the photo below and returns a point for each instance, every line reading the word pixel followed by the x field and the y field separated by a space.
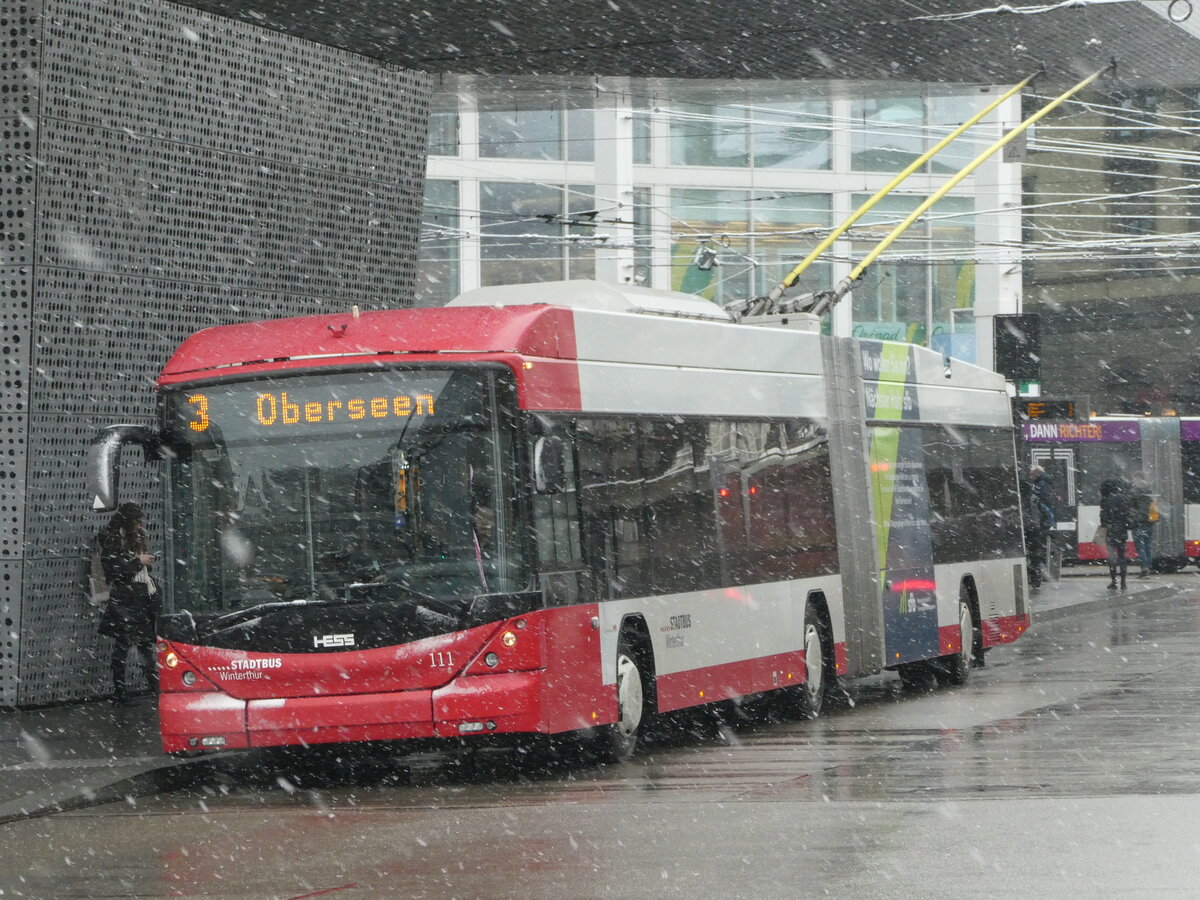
pixel 389 485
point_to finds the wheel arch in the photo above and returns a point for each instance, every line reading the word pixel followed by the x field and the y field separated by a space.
pixel 817 597
pixel 969 589
pixel 825 622
pixel 634 629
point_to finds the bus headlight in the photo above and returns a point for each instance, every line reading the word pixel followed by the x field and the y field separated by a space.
pixel 188 677
pixel 509 638
pixel 491 660
pixel 171 660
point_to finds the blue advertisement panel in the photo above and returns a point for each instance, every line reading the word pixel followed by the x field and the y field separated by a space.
pixel 900 506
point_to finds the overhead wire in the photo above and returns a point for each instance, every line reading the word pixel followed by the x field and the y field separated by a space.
pixel 1098 149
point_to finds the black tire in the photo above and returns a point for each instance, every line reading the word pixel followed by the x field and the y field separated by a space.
pixel 618 742
pixel 955 668
pixel 809 699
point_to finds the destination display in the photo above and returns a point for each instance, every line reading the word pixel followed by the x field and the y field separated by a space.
pixel 1046 409
pixel 340 404
pixel 280 409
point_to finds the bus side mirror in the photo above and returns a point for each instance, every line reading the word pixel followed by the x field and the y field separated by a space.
pixel 104 461
pixel 549 473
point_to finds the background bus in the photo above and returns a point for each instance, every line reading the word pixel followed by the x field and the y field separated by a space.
pixel 564 507
pixel 1080 455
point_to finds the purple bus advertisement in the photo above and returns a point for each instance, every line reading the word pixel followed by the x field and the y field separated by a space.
pixel 1079 455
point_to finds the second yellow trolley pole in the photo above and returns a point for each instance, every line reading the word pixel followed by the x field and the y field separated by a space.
pixel 827 300
pixel 790 279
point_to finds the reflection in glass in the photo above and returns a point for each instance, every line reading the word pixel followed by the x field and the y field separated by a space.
pixel 777 247
pixel 890 303
pixel 888 133
pixel 946 114
pixel 718 219
pixel 440 244
pixel 791 135
pixel 952 281
pixel 705 134
pixel 517 243
pixel 509 131
pixel 921 292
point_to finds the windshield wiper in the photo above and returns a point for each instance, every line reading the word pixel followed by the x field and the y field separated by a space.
pixel 234 617
pixel 403 585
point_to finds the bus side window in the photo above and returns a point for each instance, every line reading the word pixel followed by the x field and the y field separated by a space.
pixel 613 507
pixel 680 514
pixel 972 499
pixel 556 529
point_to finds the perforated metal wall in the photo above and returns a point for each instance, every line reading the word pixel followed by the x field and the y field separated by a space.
pixel 18 146
pixel 191 171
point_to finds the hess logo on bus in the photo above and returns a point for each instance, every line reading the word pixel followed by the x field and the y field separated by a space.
pixel 325 641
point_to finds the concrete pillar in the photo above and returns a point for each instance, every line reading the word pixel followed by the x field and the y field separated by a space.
pixel 614 180
pixel 998 223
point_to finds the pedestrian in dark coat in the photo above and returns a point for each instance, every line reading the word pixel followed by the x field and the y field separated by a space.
pixel 133 595
pixel 1115 517
pixel 1043 496
pixel 1034 524
pixel 1043 489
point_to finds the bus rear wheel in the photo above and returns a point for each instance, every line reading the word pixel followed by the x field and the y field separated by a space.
pixel 955 668
pixel 618 741
pixel 808 700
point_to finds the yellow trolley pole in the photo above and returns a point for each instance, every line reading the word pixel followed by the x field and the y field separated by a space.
pixel 777 292
pixel 827 300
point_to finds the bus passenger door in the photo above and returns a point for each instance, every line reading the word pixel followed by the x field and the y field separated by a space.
pixel 904 544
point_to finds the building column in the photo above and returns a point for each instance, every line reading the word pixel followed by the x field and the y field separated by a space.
pixel 841 108
pixel 614 180
pixel 470 266
pixel 998 226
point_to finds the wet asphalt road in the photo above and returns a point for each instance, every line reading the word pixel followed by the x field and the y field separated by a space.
pixel 1070 764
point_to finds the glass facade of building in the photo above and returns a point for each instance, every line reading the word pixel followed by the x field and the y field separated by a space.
pixel 727 185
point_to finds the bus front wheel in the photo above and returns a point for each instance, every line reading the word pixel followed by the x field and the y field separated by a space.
pixel 617 742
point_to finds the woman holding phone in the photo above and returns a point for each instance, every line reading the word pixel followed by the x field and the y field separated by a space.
pixel 133 599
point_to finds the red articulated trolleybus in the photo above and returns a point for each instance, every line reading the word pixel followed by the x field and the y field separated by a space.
pixel 563 507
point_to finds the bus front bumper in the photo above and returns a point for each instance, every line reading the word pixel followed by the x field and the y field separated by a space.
pixel 502 703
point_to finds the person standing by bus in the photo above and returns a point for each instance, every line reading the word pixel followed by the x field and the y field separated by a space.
pixel 1044 497
pixel 1143 522
pixel 133 599
pixel 1034 524
pixel 1115 515
pixel 1043 488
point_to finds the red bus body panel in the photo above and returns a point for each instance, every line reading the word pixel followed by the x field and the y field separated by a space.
pixel 548 681
pixel 536 342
